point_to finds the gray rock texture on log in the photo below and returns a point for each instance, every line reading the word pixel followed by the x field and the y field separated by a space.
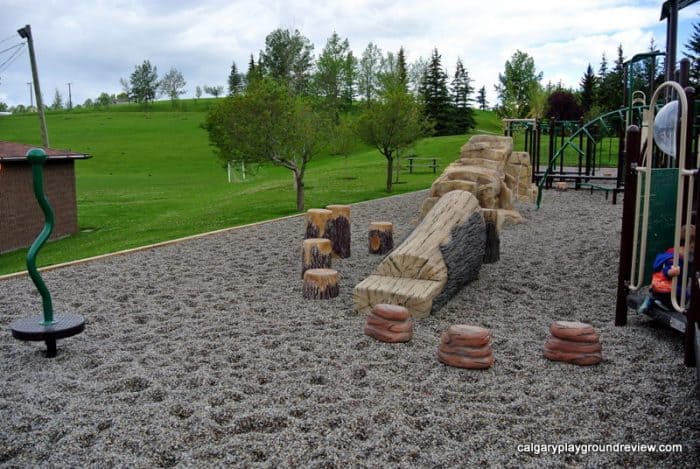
pixel 464 255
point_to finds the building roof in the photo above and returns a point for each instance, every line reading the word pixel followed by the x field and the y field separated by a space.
pixel 12 151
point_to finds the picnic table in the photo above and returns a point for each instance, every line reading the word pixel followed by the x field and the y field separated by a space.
pixel 426 161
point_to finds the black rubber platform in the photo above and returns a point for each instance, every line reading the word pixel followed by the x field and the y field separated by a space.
pixel 32 329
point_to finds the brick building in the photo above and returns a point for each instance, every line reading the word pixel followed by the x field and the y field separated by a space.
pixel 21 218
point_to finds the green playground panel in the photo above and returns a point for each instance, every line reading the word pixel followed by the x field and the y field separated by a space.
pixel 662 214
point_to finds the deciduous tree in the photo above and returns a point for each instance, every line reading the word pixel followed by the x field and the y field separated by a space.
pixel 515 85
pixel 172 84
pixel 368 73
pixel 144 82
pixel 267 122
pixel 393 123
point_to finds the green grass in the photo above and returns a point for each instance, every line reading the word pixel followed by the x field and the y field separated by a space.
pixel 153 177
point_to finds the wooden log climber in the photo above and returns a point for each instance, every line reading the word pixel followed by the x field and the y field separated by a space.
pixel 339 232
pixel 317 223
pixel 320 284
pixel 442 254
pixel 465 346
pixel 381 237
pixel 389 323
pixel 316 254
pixel 573 342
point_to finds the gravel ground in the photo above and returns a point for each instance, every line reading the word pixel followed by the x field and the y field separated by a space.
pixel 204 353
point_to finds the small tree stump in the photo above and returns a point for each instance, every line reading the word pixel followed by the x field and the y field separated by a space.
pixel 320 284
pixel 340 230
pixel 381 237
pixel 316 254
pixel 317 223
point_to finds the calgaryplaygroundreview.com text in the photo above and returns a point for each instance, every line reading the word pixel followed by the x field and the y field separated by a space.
pixel 562 448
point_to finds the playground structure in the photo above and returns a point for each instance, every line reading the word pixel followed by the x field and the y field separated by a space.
pixel 660 201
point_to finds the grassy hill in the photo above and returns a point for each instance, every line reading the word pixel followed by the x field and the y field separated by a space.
pixel 153 177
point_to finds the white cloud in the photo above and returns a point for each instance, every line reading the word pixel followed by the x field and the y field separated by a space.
pixel 94 43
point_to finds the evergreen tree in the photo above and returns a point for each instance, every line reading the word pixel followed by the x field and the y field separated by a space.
pixel 235 81
pixel 254 71
pixel 436 98
pixel 611 90
pixel 461 88
pixel 402 69
pixel 693 53
pixel 588 84
pixel 481 99
pixel 350 74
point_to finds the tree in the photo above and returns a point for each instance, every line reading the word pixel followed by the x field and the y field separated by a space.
pixel 288 57
pixel 393 123
pixel 103 100
pixel 235 80
pixel 144 82
pixel 693 53
pixel 611 88
pixel 588 86
pixel 416 73
pixel 481 99
pixel 330 80
pixel 515 85
pixel 368 73
pixel 57 101
pixel 267 122
pixel 435 96
pixel 562 105
pixel 215 91
pixel 173 84
pixel 461 90
pixel 198 92
pixel 126 88
pixel 88 103
pixel 3 107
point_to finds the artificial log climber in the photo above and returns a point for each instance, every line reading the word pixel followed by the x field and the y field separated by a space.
pixel 381 237
pixel 339 230
pixel 443 253
pixel 316 254
pixel 320 284
pixel 318 223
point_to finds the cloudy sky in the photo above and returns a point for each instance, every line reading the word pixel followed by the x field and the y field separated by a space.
pixel 93 43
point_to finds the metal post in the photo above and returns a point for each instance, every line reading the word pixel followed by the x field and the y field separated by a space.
pixel 26 33
pixel 632 147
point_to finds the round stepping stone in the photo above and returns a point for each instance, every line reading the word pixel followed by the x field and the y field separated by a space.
pixel 389 323
pixel 464 350
pixel 574 331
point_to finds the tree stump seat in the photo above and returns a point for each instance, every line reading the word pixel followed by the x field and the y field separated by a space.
pixel 320 284
pixel 316 254
pixel 381 237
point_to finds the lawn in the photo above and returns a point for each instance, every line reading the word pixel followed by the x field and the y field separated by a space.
pixel 153 177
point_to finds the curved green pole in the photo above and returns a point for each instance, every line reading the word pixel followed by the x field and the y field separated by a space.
pixel 36 158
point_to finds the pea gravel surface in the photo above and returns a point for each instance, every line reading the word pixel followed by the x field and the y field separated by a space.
pixel 204 353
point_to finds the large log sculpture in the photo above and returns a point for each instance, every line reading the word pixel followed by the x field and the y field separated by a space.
pixel 316 254
pixel 443 253
pixel 339 230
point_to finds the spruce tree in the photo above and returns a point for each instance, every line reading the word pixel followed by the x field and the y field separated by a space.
pixel 481 99
pixel 235 81
pixel 436 99
pixel 588 83
pixel 461 88
pixel 693 53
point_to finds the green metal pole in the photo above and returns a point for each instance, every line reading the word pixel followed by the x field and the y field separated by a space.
pixel 37 158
